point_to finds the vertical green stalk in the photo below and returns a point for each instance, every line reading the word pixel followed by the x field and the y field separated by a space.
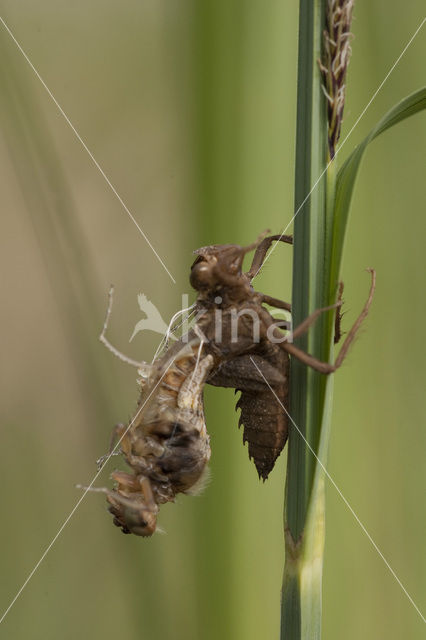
pixel 322 22
pixel 301 597
pixel 322 201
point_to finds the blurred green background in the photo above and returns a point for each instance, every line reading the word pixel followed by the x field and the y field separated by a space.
pixel 189 107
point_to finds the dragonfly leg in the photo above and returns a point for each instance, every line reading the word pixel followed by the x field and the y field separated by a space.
pixel 315 363
pixel 140 365
pixel 262 250
pixel 274 302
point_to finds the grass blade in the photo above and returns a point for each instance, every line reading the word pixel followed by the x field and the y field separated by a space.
pixel 301 596
pixel 347 174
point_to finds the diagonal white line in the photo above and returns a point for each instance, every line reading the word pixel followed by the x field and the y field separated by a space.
pixel 87 489
pixel 343 497
pixel 95 162
pixel 345 139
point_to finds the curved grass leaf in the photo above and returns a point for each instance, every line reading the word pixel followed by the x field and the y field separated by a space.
pixel 345 182
pixel 347 174
pixel 302 577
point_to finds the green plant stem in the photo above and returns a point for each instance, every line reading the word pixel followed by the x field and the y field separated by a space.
pixel 301 598
pixel 318 247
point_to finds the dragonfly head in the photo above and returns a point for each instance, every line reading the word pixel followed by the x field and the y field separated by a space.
pixel 132 515
pixel 219 267
pixel 216 266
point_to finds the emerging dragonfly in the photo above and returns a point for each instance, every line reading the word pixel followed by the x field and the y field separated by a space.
pixel 235 342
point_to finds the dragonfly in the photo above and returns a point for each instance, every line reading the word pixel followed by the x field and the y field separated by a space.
pixel 235 342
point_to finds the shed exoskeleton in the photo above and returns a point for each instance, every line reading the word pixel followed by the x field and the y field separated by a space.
pixel 251 348
pixel 235 342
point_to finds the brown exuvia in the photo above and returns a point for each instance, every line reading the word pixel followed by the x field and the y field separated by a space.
pixel 234 342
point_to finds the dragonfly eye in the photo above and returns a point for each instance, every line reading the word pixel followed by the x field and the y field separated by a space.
pixel 202 275
pixel 141 523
